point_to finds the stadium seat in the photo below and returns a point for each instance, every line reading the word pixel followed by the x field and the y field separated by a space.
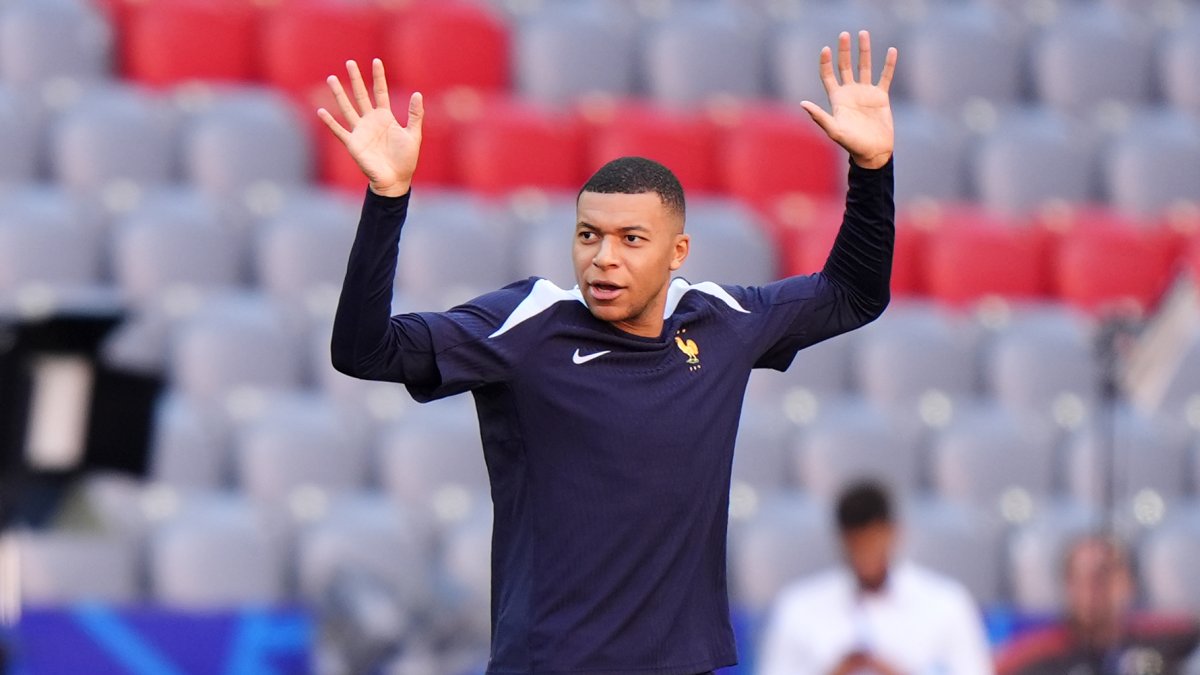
pixel 439 46
pixel 760 459
pixel 822 369
pixel 45 240
pixel 465 575
pixel 431 457
pixel 512 145
pixel 567 50
pixel 1093 54
pixel 974 259
pixel 1150 469
pixel 457 245
pixel 297 442
pixel 794 46
pixel 547 228
pixel 301 251
pixel 729 245
pixel 1033 157
pixel 62 568
pixel 702 51
pixel 1037 551
pixel 767 152
pixel 246 141
pixel 964 52
pixel 1169 558
pixel 219 554
pixel 43 42
pixel 854 441
pixel 933 148
pixel 684 142
pixel 1155 164
pixel 303 42
pixel 175 239
pixel 1179 60
pixel 233 343
pixel 186 451
pixel 1032 364
pixel 789 537
pixel 168 43
pixel 960 542
pixel 114 136
pixel 1104 267
pixel 20 131
pixel 989 458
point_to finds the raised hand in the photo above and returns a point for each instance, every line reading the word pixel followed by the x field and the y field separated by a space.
pixel 862 113
pixel 385 151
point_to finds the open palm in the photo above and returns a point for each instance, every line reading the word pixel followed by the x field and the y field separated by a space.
pixel 385 151
pixel 861 121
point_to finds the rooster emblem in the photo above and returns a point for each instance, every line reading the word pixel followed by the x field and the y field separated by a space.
pixel 690 349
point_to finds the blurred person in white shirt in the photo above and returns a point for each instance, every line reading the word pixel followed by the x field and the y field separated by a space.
pixel 875 615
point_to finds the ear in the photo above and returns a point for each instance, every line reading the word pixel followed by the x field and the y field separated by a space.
pixel 682 246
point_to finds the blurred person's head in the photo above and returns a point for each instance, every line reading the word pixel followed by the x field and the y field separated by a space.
pixel 868 532
pixel 628 239
pixel 1099 587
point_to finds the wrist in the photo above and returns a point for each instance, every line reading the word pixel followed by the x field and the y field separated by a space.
pixel 873 161
pixel 393 190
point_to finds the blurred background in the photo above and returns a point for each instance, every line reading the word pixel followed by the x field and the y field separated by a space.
pixel 186 485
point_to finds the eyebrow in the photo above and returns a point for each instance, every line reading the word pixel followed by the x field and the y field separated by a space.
pixel 627 228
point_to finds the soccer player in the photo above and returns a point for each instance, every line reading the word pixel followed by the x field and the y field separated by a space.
pixel 608 411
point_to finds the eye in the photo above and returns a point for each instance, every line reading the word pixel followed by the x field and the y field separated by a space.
pixel 633 239
pixel 586 235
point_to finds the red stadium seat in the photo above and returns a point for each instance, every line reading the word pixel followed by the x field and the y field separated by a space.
pixel 971 255
pixel 1103 267
pixel 305 41
pixel 767 152
pixel 180 40
pixel 511 145
pixel 435 46
pixel 683 142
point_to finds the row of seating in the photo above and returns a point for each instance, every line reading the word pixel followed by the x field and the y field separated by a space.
pixel 197 550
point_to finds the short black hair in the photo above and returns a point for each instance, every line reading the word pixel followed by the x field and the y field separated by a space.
pixel 863 503
pixel 635 175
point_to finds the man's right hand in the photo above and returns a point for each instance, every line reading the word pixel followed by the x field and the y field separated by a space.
pixel 385 151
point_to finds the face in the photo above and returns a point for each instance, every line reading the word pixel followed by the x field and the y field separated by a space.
pixel 868 551
pixel 626 246
pixel 1099 586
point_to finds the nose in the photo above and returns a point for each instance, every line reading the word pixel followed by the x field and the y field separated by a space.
pixel 605 256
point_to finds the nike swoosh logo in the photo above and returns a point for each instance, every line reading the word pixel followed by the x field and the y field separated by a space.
pixel 580 360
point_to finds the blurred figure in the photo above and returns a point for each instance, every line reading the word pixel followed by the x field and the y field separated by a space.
pixel 1101 634
pixel 876 615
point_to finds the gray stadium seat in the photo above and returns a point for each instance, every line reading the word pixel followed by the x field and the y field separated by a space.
pixel 466 575
pixel 933 146
pixel 1169 558
pixel 548 227
pixel 1091 55
pixel 957 541
pixel 1033 363
pixel 297 441
pixel 1179 61
pixel 822 369
pixel 221 553
pixel 568 50
pixel 44 240
pixel 791 536
pixel 854 441
pixel 111 136
pixel 1155 164
pixel 244 142
pixel 185 451
pixel 1033 157
pixel 234 343
pixel 704 50
pixel 45 40
pixel 1037 551
pixel 432 455
pixel 174 240
pixel 20 133
pixel 728 245
pixel 760 459
pixel 63 567
pixel 794 47
pixel 986 455
pixel 961 52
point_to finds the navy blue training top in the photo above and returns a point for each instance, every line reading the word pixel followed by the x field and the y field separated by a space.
pixel 609 454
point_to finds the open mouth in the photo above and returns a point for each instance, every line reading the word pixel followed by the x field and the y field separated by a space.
pixel 604 291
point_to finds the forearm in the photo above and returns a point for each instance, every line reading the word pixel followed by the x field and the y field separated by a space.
pixel 860 263
pixel 367 341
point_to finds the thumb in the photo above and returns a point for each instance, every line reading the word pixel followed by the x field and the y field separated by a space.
pixel 416 112
pixel 818 115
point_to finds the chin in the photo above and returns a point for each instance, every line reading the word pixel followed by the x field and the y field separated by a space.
pixel 609 313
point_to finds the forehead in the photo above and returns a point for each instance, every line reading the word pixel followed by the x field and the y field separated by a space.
pixel 617 210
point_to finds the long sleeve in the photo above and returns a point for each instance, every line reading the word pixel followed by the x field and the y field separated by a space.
pixel 367 341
